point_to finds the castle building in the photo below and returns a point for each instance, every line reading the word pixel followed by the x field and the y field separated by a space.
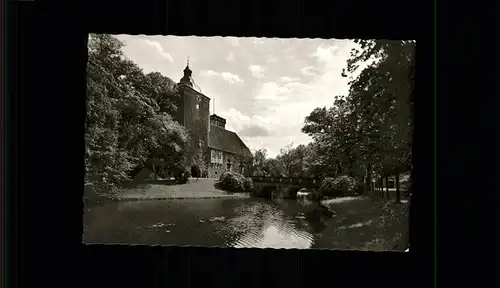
pixel 221 149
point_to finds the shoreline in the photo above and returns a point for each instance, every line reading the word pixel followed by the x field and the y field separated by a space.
pixel 155 190
pixel 138 198
pixel 201 188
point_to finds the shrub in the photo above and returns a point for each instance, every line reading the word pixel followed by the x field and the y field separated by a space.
pixel 339 186
pixel 223 176
pixel 235 182
pixel 247 184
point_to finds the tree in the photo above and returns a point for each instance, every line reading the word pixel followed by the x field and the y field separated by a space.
pixel 286 159
pixel 368 131
pixel 313 162
pixel 273 168
pixel 335 133
pixel 299 154
pixel 200 157
pixel 105 162
pixel 125 124
pixel 164 91
pixel 259 162
pixel 380 98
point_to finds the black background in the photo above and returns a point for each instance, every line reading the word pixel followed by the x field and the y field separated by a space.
pixel 46 63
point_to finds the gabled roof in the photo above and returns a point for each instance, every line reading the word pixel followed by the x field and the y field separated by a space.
pixel 227 141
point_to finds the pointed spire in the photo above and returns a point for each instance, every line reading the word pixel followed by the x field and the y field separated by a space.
pixel 186 79
pixel 187 67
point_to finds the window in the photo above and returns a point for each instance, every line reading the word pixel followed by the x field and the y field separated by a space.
pixel 216 157
pixel 197 106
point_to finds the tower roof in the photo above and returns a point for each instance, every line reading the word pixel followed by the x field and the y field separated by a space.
pixel 186 79
pixel 187 66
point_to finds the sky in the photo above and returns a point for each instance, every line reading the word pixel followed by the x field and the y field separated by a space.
pixel 263 87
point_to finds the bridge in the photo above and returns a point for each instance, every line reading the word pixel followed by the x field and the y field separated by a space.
pixel 287 186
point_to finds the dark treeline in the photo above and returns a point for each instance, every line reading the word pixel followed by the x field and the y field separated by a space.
pixel 366 134
pixel 129 118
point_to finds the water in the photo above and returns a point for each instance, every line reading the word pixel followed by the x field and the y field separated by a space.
pixel 222 222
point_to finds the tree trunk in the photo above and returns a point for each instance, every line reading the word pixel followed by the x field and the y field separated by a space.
pixel 381 192
pixel 350 171
pixel 398 192
pixel 154 171
pixel 387 187
pixel 368 179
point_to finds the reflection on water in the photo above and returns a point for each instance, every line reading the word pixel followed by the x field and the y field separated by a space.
pixel 223 222
pixel 208 222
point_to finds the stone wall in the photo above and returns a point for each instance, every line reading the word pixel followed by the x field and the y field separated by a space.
pixel 215 170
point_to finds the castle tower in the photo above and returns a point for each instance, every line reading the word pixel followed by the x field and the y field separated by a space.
pixel 193 112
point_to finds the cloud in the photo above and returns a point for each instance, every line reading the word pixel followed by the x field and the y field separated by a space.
pixel 272 91
pixel 254 131
pixel 272 131
pixel 235 120
pixel 295 84
pixel 257 71
pixel 228 76
pixel 159 48
pixel 271 59
pixel 288 79
pixel 250 126
pixel 230 57
pixel 308 71
pixel 324 53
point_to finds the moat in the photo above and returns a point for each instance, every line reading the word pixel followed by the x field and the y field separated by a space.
pixel 349 223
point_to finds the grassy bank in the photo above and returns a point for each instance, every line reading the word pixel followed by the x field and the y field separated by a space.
pixel 363 223
pixel 202 188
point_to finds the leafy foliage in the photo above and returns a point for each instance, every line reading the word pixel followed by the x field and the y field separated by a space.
pixel 339 186
pixel 369 131
pixel 258 167
pixel 235 182
pixel 128 117
pixel 300 161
